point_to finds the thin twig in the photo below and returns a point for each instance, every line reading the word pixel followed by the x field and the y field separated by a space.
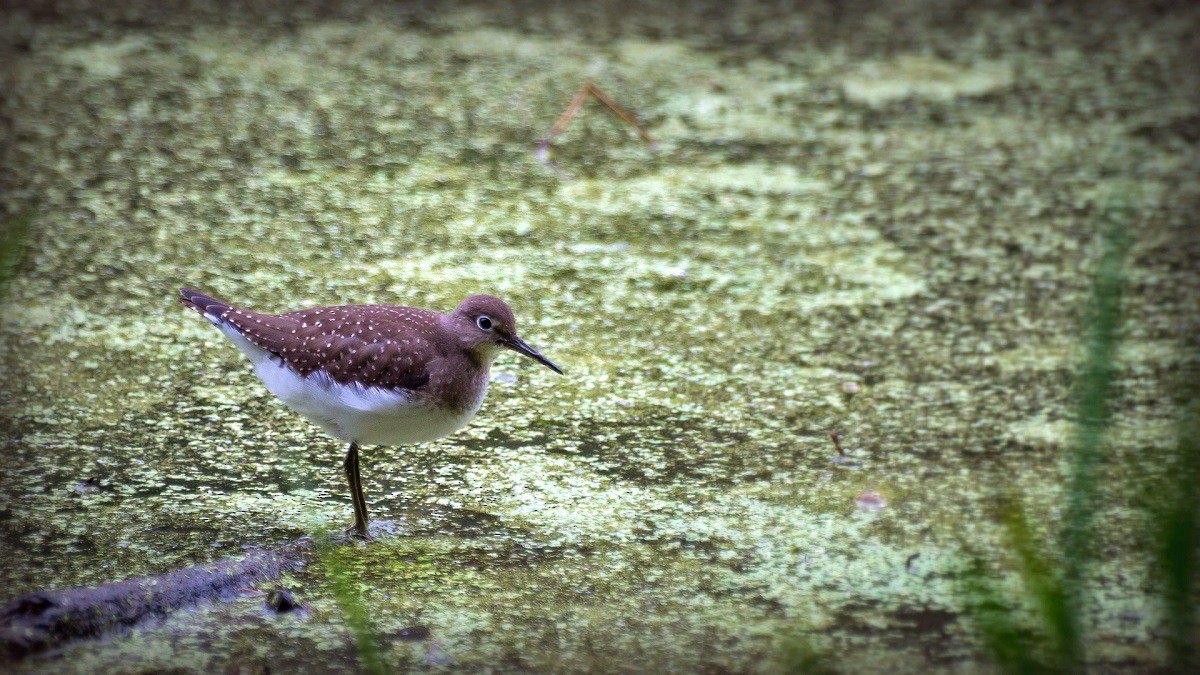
pixel 837 443
pixel 589 89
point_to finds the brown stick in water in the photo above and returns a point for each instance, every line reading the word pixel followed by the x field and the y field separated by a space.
pixel 43 619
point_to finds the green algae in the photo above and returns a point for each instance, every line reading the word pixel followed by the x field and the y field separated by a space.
pixel 671 500
pixel 924 77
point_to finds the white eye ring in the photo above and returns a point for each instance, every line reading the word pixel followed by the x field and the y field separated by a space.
pixel 484 323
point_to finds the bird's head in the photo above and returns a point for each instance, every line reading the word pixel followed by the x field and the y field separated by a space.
pixel 486 326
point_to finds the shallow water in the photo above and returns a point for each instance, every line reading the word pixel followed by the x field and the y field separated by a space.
pixel 879 222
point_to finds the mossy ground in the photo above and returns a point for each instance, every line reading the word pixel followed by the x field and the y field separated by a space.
pixel 875 219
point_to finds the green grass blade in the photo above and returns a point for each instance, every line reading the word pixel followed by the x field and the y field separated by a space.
pixel 1093 416
pixel 1178 535
pixel 1011 648
pixel 335 560
pixel 1056 645
pixel 366 638
pixel 14 242
pixel 1043 587
pixel 799 656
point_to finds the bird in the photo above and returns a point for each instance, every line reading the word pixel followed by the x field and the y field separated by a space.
pixel 374 374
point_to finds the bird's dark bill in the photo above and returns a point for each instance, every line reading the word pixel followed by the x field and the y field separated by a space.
pixel 518 345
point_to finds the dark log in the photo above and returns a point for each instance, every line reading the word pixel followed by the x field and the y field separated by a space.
pixel 43 619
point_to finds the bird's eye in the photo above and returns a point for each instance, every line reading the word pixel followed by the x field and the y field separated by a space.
pixel 484 323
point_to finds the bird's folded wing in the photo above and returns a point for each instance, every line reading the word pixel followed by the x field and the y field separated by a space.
pixel 366 345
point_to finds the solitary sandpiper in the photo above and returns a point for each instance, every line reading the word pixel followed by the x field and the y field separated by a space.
pixel 374 374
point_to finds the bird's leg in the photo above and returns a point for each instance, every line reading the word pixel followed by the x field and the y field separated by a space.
pixel 362 496
pixel 353 477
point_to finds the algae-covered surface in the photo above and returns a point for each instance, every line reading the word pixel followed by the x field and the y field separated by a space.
pixel 875 220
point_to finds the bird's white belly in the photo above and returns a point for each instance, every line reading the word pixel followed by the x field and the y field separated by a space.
pixel 351 412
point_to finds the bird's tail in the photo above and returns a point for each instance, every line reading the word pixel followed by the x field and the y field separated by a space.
pixel 211 308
